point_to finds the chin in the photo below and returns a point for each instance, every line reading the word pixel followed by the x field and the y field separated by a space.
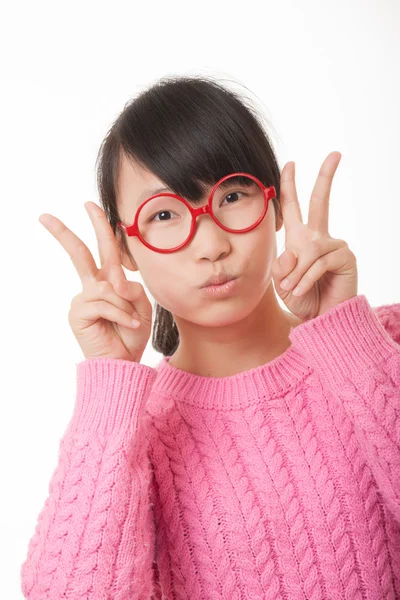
pixel 221 316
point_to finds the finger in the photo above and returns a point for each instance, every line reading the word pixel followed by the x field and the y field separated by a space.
pixel 328 262
pixel 318 251
pixel 104 290
pixel 291 211
pixel 92 311
pixel 283 266
pixel 78 251
pixel 110 259
pixel 134 292
pixel 318 213
pixel 287 260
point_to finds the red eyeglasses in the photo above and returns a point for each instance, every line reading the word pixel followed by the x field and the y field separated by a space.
pixel 170 235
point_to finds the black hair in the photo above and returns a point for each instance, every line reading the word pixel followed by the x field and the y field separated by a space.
pixel 189 131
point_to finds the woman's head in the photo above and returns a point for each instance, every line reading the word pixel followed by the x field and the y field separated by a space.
pixel 186 133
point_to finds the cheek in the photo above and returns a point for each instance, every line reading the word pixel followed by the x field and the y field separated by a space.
pixel 258 250
pixel 163 282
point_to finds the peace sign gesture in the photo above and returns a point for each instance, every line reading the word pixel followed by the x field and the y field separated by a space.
pixel 111 317
pixel 322 269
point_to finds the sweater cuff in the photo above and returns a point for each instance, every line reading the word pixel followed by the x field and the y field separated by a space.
pixel 345 341
pixel 110 394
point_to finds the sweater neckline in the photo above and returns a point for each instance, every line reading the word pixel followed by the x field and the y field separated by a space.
pixel 232 392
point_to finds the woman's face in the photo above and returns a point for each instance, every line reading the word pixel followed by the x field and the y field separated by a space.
pixel 174 280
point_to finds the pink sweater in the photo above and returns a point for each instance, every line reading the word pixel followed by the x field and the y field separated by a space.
pixel 281 482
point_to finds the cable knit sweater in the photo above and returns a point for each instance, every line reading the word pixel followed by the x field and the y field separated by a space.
pixel 280 482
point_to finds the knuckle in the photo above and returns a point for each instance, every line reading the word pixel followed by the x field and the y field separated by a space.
pixel 74 301
pixel 104 287
pixel 72 311
pixel 135 285
pixel 318 245
pixel 323 261
pixel 101 307
pixel 350 252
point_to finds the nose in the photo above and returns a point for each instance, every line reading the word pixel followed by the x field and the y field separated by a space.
pixel 200 212
pixel 213 241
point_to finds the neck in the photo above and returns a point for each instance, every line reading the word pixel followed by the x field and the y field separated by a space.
pixel 223 351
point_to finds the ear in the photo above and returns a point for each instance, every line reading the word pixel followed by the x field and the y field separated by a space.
pixel 126 259
pixel 127 262
pixel 278 221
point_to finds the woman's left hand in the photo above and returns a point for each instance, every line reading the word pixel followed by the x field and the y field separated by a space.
pixel 324 268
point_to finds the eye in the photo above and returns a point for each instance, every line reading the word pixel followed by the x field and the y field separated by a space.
pixel 233 194
pixel 162 212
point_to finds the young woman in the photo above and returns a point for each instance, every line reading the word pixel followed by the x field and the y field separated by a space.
pixel 260 458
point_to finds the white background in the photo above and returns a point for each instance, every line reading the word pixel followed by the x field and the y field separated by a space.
pixel 326 75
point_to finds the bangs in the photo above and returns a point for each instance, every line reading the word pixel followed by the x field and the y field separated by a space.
pixel 192 132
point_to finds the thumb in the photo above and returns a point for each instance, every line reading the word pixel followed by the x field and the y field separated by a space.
pixel 287 260
pixel 284 265
pixel 134 292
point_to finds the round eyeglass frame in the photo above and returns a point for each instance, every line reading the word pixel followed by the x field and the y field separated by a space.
pixel 133 230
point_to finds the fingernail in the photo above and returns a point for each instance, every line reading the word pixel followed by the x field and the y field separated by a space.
pixel 285 284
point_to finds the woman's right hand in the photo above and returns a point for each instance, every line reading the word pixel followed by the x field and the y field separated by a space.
pixel 101 315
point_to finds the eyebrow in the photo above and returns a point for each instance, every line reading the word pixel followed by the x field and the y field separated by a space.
pixel 149 193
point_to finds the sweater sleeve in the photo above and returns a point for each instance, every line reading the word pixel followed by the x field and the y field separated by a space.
pixel 95 536
pixel 356 353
